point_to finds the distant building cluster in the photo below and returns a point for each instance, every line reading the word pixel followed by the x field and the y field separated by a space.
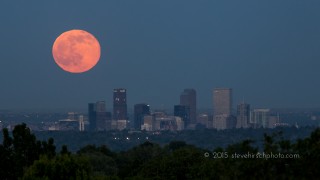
pixel 244 118
pixel 184 115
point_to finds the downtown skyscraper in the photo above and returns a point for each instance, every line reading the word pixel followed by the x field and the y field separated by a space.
pixel 120 104
pixel 99 119
pixel 183 112
pixel 222 108
pixel 222 101
pixel 189 98
pixel 243 115
pixel 140 110
pixel 92 116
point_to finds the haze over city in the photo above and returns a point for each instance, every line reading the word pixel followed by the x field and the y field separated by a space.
pixel 267 52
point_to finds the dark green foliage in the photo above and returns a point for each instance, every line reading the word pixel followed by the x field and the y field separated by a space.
pixel 22 156
pixel 93 149
pixel 20 151
pixel 26 148
pixel 174 145
pixel 62 167
pixel 309 151
pixel 64 150
pixel 6 156
pixel 131 162
pixel 101 159
pixel 48 148
pixel 182 163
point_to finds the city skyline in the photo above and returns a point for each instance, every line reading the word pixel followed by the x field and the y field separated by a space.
pixel 268 52
pixel 148 119
pixel 100 118
pixel 109 105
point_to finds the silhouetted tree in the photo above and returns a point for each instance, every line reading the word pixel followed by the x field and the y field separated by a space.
pixel 20 151
pixel 6 157
pixel 64 150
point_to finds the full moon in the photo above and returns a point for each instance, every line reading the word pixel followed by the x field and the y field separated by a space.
pixel 76 51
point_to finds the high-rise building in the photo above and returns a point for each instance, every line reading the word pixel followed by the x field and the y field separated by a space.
pixel 243 115
pixel 140 110
pixel 222 101
pixel 148 123
pixel 183 112
pixel 260 118
pixel 189 98
pixel 103 118
pixel 222 107
pixel 120 104
pixel 99 119
pixel 92 116
pixel 263 118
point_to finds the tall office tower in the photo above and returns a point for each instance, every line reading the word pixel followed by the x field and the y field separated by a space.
pixel 92 116
pixel 101 116
pixel 120 104
pixel 98 117
pixel 222 101
pixel 140 110
pixel 189 98
pixel 222 107
pixel 243 115
pixel 183 112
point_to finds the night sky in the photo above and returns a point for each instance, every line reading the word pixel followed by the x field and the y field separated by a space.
pixel 267 51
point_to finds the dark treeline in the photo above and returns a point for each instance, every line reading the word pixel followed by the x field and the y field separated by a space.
pixel 24 157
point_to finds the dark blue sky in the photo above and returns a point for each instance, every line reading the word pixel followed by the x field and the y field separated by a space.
pixel 267 51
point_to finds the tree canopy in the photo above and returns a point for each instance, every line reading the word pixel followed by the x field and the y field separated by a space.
pixel 25 157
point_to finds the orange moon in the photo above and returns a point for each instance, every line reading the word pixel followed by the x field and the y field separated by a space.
pixel 76 51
